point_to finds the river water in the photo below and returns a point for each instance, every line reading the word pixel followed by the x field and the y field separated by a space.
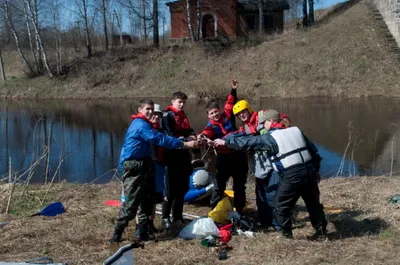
pixel 84 137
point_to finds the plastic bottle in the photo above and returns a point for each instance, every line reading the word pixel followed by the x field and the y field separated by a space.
pixel 122 195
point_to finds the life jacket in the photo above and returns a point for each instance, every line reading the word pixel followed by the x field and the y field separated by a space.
pixel 141 116
pixel 159 151
pixel 261 164
pixel 221 127
pixel 182 125
pixel 293 150
pixel 252 126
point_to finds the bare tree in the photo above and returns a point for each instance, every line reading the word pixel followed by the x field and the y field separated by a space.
pixel 7 13
pixel 28 28
pixel 3 74
pixel 305 15
pixel 189 21
pixel 57 35
pixel 143 16
pixel 33 13
pixel 310 12
pixel 103 9
pixel 261 18
pixel 119 23
pixel 83 13
pixel 198 14
pixel 156 37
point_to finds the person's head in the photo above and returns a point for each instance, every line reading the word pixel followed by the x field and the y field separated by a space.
pixel 146 108
pixel 268 117
pixel 213 111
pixel 157 114
pixel 179 100
pixel 242 110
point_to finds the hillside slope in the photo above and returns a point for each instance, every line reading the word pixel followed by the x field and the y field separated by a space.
pixel 346 56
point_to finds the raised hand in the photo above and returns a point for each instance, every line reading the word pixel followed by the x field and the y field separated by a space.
pixel 235 83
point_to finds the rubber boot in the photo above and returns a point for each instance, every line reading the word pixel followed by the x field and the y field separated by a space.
pixel 166 223
pixel 137 232
pixel 116 238
pixel 320 234
pixel 145 234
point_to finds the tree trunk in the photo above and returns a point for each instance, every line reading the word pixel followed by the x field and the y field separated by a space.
pixel 3 74
pixel 39 39
pixel 156 37
pixel 87 31
pixel 305 16
pixel 198 14
pixel 310 12
pixel 105 23
pixel 20 53
pixel 144 20
pixel 28 27
pixel 36 22
pixel 189 21
pixel 261 18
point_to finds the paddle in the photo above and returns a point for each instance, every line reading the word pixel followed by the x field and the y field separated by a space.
pixel 52 209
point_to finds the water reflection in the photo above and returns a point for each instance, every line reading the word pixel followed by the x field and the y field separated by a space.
pixel 87 135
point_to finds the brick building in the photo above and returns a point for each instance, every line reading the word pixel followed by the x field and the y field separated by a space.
pixel 226 18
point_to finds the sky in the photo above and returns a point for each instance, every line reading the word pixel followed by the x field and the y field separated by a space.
pixel 327 3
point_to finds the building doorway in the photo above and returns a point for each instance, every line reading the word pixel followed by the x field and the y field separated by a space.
pixel 209 26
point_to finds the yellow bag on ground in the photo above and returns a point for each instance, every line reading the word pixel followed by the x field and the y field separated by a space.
pixel 221 212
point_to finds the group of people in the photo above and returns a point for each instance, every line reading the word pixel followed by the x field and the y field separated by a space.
pixel 156 165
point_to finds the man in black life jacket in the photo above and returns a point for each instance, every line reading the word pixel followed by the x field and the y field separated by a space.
pixel 298 161
pixel 178 162
pixel 230 163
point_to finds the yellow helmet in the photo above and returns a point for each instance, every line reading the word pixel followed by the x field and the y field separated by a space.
pixel 241 105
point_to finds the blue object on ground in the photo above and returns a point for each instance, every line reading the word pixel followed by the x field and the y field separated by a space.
pixel 52 209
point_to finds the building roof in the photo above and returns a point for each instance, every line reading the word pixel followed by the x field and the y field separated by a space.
pixel 252 5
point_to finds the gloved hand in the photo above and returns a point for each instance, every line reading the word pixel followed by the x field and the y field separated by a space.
pixel 211 186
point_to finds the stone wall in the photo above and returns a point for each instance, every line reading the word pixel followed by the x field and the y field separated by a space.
pixel 390 11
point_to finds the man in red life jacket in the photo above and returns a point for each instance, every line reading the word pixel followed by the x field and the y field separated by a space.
pixel 178 162
pixel 138 169
pixel 229 163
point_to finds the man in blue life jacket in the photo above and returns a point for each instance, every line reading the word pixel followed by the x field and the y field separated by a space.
pixel 138 169
pixel 230 163
pixel 297 160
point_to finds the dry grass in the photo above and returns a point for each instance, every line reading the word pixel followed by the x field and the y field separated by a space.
pixel 367 232
pixel 345 55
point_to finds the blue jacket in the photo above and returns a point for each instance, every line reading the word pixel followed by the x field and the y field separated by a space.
pixel 138 138
pixel 194 192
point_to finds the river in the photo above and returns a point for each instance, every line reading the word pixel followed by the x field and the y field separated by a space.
pixel 83 138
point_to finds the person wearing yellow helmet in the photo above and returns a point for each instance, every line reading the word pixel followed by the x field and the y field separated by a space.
pixel 243 110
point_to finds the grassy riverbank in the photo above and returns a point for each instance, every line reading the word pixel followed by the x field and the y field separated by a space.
pixel 346 55
pixel 366 232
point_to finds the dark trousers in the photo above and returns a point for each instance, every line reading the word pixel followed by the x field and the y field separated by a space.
pixel 299 181
pixel 231 165
pixel 266 190
pixel 138 184
pixel 179 169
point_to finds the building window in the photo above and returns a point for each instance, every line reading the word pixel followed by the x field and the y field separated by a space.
pixel 250 22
